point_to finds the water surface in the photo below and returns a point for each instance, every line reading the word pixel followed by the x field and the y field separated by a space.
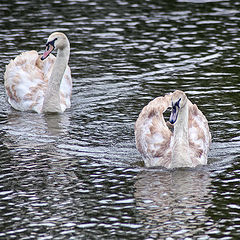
pixel 78 175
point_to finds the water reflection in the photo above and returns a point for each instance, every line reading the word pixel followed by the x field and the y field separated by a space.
pixel 33 138
pixel 38 124
pixel 72 176
pixel 34 129
pixel 224 208
pixel 30 137
pixel 173 203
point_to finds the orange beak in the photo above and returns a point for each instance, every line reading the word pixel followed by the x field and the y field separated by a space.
pixel 48 50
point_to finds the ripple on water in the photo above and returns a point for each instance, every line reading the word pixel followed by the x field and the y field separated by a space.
pixel 79 174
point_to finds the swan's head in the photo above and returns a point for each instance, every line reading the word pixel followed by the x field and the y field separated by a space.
pixel 179 100
pixel 56 40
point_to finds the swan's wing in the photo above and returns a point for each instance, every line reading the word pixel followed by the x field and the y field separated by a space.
pixel 24 82
pixel 153 137
pixel 66 84
pixel 199 135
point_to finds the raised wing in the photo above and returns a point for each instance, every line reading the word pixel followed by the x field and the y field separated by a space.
pixel 153 137
pixel 24 82
pixel 199 135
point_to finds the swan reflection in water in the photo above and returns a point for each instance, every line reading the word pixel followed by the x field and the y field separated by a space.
pixel 34 141
pixel 42 126
pixel 172 201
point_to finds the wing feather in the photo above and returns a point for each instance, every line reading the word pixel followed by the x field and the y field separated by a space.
pixel 199 135
pixel 153 137
pixel 22 78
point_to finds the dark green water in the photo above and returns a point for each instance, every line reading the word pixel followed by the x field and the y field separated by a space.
pixel 79 175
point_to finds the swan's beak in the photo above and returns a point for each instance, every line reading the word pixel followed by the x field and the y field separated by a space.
pixel 48 50
pixel 174 115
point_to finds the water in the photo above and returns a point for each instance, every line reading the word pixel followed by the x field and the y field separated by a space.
pixel 78 175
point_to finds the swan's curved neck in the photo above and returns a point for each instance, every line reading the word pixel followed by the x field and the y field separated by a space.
pixel 180 154
pixel 51 101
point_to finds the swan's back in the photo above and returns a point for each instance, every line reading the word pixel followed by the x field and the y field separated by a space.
pixel 154 139
pixel 26 80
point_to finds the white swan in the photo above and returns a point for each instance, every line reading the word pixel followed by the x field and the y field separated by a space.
pixel 189 143
pixel 42 86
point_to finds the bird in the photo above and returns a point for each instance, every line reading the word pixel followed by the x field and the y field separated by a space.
pixel 41 83
pixel 183 141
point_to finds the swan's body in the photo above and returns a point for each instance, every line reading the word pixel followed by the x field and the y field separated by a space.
pixel 186 146
pixel 41 84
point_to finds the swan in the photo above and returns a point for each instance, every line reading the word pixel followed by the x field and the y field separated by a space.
pixel 41 83
pixel 186 146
